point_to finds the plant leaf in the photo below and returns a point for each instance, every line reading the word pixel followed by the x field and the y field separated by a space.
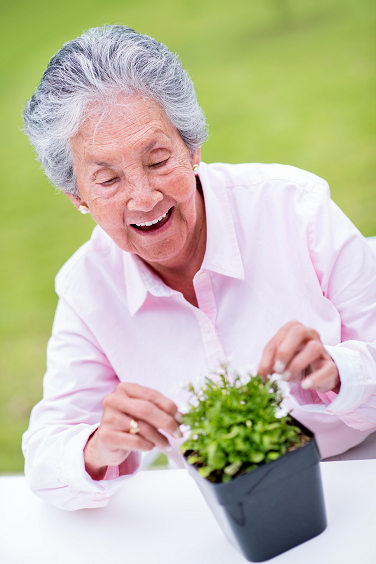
pixel 235 430
pixel 233 468
pixel 217 458
pixel 205 471
pixel 257 457
pixel 194 458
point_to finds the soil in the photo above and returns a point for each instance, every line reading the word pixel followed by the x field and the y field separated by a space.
pixel 303 440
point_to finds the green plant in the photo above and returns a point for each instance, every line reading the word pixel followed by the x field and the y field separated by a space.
pixel 236 426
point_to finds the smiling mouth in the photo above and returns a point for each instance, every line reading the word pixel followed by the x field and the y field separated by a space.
pixel 155 224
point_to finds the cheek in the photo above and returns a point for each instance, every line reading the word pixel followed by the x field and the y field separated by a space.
pixel 108 213
pixel 181 188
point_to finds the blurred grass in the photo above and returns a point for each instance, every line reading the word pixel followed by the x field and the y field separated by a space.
pixel 160 463
pixel 289 81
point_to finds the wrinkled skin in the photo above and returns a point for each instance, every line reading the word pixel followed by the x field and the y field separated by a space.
pixel 132 166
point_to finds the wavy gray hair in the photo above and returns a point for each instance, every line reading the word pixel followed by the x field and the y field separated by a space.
pixel 96 67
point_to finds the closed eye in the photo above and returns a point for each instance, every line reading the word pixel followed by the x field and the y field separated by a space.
pixel 110 181
pixel 159 164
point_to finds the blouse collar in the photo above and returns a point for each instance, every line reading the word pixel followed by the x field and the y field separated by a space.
pixel 222 250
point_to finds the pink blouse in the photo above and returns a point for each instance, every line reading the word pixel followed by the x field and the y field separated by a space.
pixel 277 249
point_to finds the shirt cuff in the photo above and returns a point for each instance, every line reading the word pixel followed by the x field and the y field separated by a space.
pixel 353 389
pixel 75 475
pixel 356 387
pixel 129 466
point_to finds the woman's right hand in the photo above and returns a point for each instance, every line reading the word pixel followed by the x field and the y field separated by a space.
pixel 112 442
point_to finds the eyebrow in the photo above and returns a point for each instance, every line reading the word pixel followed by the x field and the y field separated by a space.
pixel 151 145
pixel 101 163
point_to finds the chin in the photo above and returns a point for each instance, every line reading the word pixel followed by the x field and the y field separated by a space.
pixel 160 257
pixel 163 252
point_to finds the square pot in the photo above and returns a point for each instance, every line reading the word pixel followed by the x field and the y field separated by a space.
pixel 272 508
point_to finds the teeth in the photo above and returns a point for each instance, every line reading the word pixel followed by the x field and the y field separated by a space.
pixel 147 223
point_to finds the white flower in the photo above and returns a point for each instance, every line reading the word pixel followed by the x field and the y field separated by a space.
pixel 281 411
pixel 199 382
pixel 245 376
pixel 183 407
pixel 283 386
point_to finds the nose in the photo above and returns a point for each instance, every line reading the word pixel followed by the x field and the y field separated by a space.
pixel 143 197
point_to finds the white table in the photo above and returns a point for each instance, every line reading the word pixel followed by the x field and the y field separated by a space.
pixel 159 517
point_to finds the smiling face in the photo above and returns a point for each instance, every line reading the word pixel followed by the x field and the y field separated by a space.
pixel 135 174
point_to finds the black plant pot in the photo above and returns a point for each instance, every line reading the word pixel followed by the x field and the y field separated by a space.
pixel 272 508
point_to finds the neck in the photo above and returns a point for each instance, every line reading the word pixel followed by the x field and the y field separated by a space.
pixel 179 276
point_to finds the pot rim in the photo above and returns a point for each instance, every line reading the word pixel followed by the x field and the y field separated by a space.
pixel 266 467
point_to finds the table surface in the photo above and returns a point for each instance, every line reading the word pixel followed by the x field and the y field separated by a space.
pixel 160 517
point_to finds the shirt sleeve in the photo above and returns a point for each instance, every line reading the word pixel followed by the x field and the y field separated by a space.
pixel 78 377
pixel 345 266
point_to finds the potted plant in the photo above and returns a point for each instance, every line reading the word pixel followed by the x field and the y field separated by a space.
pixel 257 467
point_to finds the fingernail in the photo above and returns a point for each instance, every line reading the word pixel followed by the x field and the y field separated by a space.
pixel 178 417
pixel 167 448
pixel 306 383
pixel 286 376
pixel 178 434
pixel 278 366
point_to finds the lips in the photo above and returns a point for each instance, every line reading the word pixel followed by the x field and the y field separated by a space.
pixel 153 225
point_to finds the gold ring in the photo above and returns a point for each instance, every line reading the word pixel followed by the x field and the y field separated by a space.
pixel 133 427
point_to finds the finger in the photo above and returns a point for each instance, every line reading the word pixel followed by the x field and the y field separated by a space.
pixel 293 342
pixel 122 422
pixel 136 442
pixel 323 380
pixel 136 391
pixel 144 410
pixel 268 363
pixel 112 445
pixel 153 436
pixel 312 351
pixel 267 360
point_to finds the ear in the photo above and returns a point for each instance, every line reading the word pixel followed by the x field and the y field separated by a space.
pixel 196 157
pixel 76 200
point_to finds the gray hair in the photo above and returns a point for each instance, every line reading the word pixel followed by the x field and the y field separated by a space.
pixel 96 67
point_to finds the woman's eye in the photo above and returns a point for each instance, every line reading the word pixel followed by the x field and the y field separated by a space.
pixel 159 164
pixel 109 182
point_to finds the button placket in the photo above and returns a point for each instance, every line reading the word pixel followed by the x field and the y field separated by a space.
pixel 206 316
pixel 205 296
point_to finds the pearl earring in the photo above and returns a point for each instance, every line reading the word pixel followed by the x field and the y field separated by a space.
pixel 83 209
pixel 195 169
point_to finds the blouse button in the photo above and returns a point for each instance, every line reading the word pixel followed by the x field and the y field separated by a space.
pixel 207 327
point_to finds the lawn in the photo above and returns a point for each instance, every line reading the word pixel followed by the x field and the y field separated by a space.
pixel 289 81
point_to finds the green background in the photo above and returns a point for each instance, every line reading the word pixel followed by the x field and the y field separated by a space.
pixel 289 81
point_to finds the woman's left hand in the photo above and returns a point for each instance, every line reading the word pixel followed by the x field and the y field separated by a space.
pixel 295 349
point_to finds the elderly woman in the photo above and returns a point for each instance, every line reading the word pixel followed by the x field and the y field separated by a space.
pixel 190 263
